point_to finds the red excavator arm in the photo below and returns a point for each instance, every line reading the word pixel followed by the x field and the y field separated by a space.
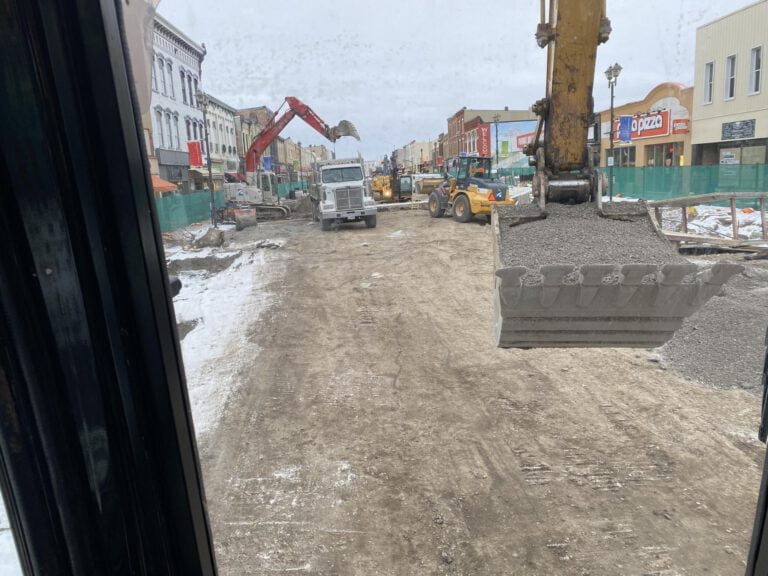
pixel 295 108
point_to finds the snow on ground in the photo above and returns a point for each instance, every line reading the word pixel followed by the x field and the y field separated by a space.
pixel 716 221
pixel 9 559
pixel 224 306
pixel 709 220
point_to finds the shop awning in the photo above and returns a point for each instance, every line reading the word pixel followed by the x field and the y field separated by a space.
pixel 159 185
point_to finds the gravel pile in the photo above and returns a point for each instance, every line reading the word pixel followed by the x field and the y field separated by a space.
pixel 722 345
pixel 578 235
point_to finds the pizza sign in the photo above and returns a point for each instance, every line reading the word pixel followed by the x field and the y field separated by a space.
pixel 648 125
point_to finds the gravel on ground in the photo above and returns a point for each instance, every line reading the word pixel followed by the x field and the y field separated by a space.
pixel 579 235
pixel 721 344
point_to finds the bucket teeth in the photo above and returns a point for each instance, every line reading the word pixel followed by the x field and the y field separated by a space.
pixel 635 305
pixel 552 278
pixel 592 276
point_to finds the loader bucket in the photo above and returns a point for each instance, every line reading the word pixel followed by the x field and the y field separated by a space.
pixel 344 128
pixel 574 276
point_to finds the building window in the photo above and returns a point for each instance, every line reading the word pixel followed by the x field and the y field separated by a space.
pixel 755 69
pixel 170 80
pixel 158 129
pixel 176 131
pixel 195 81
pixel 154 73
pixel 163 87
pixel 194 129
pixel 622 157
pixel 169 140
pixel 183 86
pixel 663 154
pixel 730 77
pixel 709 77
pixel 189 130
pixel 191 94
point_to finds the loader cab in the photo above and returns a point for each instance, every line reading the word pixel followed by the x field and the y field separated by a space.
pixel 470 167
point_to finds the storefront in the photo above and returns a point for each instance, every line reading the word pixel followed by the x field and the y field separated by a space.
pixel 660 134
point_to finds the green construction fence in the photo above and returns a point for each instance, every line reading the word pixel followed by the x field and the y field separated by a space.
pixel 660 183
pixel 283 188
pixel 181 210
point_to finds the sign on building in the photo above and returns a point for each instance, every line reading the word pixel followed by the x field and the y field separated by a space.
pixel 266 162
pixel 195 150
pixel 484 140
pixel 738 130
pixel 649 125
pixel 625 128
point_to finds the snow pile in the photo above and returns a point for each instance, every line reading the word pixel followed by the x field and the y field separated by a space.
pixel 716 221
pixel 9 560
pixel 225 307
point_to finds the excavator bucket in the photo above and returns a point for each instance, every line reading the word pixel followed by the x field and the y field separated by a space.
pixel 589 276
pixel 344 128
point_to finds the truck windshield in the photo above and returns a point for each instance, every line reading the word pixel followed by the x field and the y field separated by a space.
pixel 347 174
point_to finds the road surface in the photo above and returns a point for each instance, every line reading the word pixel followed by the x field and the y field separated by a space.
pixel 376 430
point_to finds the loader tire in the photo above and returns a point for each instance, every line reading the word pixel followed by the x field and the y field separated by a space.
pixel 461 209
pixel 435 210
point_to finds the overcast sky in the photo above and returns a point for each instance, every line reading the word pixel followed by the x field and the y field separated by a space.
pixel 397 69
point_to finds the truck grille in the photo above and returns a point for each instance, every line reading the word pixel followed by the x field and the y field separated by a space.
pixel 349 198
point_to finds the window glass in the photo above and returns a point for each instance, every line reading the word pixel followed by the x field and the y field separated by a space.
pixel 730 77
pixel 345 174
pixel 345 424
pixel 709 71
pixel 756 57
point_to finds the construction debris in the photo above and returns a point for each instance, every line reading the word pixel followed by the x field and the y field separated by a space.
pixel 211 239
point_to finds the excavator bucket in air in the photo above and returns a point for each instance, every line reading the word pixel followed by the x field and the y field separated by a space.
pixel 344 128
pixel 589 276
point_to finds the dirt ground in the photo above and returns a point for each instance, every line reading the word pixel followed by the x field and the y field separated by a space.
pixel 378 431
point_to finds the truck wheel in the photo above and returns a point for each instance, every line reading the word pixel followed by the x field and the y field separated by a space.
pixel 315 212
pixel 461 210
pixel 325 224
pixel 370 221
pixel 435 210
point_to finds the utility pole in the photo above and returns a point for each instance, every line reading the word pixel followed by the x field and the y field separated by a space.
pixel 496 118
pixel 202 100
pixel 612 73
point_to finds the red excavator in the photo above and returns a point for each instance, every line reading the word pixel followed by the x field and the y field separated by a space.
pixel 260 193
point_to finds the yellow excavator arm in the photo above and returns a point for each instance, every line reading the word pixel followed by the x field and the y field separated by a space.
pixel 571 36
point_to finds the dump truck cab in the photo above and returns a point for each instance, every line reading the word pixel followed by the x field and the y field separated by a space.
pixel 469 190
pixel 341 194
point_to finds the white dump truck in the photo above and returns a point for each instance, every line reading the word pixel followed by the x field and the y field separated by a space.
pixel 340 194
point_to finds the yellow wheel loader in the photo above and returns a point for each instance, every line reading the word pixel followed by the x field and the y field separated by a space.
pixel 469 190
pixel 571 271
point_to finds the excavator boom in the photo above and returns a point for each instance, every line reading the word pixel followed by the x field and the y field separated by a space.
pixel 276 125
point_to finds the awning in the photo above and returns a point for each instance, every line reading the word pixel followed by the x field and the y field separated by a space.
pixel 159 185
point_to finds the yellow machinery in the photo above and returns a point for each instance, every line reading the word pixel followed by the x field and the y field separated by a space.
pixel 382 188
pixel 469 191
pixel 568 288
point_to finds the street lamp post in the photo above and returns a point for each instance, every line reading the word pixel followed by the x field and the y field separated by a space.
pixel 202 100
pixel 612 73
pixel 496 118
